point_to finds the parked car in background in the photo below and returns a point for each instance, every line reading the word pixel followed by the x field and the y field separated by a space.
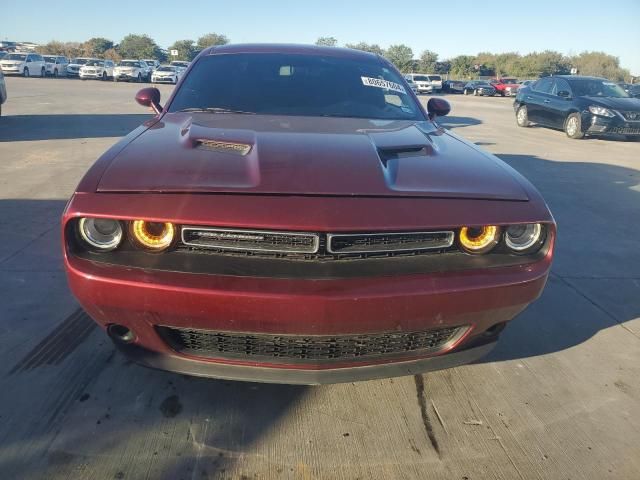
pixel 632 89
pixel 200 241
pixel 453 86
pixel 3 54
pixel 180 64
pixel 422 82
pixel 166 74
pixel 3 91
pixel 73 68
pixel 56 65
pixel 479 88
pixel 152 64
pixel 132 70
pixel 412 85
pixel 436 82
pixel 8 46
pixel 25 64
pixel 97 70
pixel 580 106
pixel 506 86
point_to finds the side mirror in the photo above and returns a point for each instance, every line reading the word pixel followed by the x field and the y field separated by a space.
pixel 149 97
pixel 564 94
pixel 438 107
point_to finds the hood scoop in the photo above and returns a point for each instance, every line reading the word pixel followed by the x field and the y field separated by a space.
pixel 397 153
pixel 222 147
pixel 234 142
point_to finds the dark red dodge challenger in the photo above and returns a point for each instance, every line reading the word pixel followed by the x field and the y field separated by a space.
pixel 292 214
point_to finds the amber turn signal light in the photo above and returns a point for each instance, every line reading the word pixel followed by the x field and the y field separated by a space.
pixel 479 239
pixel 155 236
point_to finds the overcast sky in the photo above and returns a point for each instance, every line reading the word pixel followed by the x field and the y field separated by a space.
pixel 449 27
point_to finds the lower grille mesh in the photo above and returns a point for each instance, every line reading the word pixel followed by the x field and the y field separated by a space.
pixel 205 343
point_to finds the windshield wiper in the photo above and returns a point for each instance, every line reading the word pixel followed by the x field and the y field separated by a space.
pixel 215 110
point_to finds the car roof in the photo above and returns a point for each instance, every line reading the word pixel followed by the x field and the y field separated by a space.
pixel 289 48
pixel 577 77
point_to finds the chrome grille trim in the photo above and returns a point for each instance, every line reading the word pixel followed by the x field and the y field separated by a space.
pixel 216 240
pixel 446 242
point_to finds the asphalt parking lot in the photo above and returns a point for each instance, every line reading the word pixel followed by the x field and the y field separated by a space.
pixel 558 398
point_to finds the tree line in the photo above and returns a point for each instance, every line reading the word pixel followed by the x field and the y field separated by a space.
pixel 133 46
pixel 531 65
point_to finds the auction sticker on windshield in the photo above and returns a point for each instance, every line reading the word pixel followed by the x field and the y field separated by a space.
pixel 387 85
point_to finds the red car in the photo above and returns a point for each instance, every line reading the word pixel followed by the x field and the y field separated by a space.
pixel 506 86
pixel 293 214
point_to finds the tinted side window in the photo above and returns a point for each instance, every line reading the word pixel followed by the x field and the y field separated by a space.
pixel 562 85
pixel 544 85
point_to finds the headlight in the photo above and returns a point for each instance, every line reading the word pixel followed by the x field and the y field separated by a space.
pixel 521 238
pixel 101 233
pixel 603 112
pixel 479 239
pixel 156 236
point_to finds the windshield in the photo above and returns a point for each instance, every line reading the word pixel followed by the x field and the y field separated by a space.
pixel 596 88
pixel 128 64
pixel 435 78
pixel 16 56
pixel 50 59
pixel 179 64
pixel 79 61
pixel 95 63
pixel 166 69
pixel 420 78
pixel 341 87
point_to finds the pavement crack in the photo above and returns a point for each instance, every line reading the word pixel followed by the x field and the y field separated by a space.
pixel 426 421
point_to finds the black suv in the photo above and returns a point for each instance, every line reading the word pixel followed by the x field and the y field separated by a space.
pixel 580 106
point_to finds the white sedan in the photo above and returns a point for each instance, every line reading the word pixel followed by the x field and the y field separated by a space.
pixel 97 69
pixel 166 74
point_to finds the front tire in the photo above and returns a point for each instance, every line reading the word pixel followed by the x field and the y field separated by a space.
pixel 104 76
pixel 43 72
pixel 25 72
pixel 465 92
pixel 55 73
pixel 522 116
pixel 573 126
pixel 139 78
pixel 475 93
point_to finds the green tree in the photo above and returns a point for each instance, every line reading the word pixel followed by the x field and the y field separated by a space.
pixel 600 64
pixel 428 61
pixel 187 50
pixel 366 47
pixel 327 41
pixel 112 54
pixel 462 66
pixel 95 47
pixel 211 40
pixel 443 67
pixel 138 46
pixel 401 56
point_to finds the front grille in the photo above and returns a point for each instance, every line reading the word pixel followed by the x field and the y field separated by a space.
pixel 250 240
pixel 624 130
pixel 631 116
pixel 388 242
pixel 297 348
pixel 310 246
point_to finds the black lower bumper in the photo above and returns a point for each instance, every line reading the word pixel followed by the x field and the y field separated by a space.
pixel 174 363
pixel 597 125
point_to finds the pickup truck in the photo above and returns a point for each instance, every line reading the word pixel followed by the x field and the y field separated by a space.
pixel 505 86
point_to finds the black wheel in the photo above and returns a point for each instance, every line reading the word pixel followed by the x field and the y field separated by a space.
pixel 25 72
pixel 465 91
pixel 139 78
pixel 475 92
pixel 43 72
pixel 55 73
pixel 104 76
pixel 573 126
pixel 522 116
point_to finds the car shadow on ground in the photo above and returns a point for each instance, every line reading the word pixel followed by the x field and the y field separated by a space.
pixel 594 280
pixel 67 126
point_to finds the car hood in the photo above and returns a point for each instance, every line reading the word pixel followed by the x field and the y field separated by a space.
pixel 624 104
pixel 261 154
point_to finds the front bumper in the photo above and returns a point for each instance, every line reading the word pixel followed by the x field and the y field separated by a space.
pixel 125 76
pixel 12 70
pixel 90 75
pixel 597 125
pixel 146 299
